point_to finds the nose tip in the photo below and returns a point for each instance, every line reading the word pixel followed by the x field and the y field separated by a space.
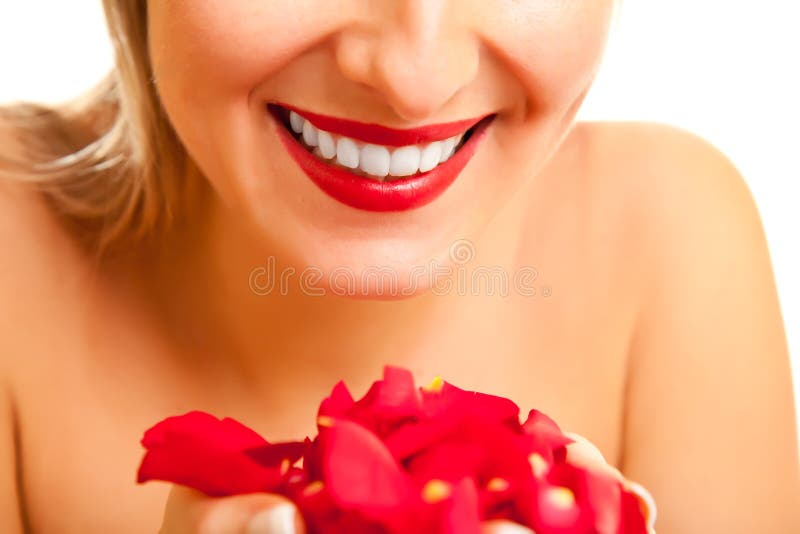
pixel 417 62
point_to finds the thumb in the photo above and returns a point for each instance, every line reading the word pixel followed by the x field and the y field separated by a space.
pixel 496 526
pixel 189 511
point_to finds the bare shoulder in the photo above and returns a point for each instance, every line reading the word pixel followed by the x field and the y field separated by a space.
pixel 656 164
pixel 679 192
pixel 39 262
pixel 708 364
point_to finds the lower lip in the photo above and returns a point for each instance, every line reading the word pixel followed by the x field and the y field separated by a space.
pixel 371 195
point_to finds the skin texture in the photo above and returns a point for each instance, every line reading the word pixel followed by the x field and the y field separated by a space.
pixel 646 344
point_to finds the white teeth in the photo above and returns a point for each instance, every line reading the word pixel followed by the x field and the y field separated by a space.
pixel 296 121
pixel 326 144
pixel 405 161
pixel 375 160
pixel 347 153
pixel 447 147
pixel 310 134
pixel 430 156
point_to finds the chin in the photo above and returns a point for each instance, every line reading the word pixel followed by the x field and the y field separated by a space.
pixel 332 265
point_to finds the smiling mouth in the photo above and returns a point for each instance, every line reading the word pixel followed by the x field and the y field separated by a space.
pixel 374 168
pixel 375 152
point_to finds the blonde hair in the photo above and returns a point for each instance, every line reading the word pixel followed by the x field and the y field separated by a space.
pixel 108 162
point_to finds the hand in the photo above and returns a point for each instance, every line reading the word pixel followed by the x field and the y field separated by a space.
pixel 583 453
pixel 497 526
pixel 192 512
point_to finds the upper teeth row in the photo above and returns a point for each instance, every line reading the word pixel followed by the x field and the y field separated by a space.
pixel 376 160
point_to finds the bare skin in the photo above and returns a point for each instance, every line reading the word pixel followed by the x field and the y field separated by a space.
pixel 648 345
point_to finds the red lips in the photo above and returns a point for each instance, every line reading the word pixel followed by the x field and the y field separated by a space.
pixel 370 194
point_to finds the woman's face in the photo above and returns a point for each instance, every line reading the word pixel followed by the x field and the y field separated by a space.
pixel 371 196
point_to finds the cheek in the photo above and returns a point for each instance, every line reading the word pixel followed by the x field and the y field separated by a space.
pixel 553 47
pixel 221 46
pixel 207 57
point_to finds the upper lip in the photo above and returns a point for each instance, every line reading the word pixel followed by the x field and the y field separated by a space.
pixel 382 135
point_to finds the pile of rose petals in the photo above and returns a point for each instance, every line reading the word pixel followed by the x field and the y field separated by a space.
pixel 403 459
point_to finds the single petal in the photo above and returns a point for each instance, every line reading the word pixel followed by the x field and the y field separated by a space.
pixel 276 454
pixel 388 403
pixel 545 429
pixel 635 515
pixel 338 403
pixel 448 398
pixel 398 394
pixel 360 472
pixel 205 453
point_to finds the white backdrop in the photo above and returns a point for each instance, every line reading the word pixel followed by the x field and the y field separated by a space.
pixel 725 69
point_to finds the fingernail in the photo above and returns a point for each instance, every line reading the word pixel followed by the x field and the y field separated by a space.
pixel 277 520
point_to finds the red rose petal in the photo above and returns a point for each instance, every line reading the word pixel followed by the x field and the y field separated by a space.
pixel 274 455
pixel 402 460
pixel 604 493
pixel 461 512
pixel 360 472
pixel 632 519
pixel 398 395
pixel 338 403
pixel 408 440
pixel 388 403
pixel 203 452
pixel 450 399
pixel 544 428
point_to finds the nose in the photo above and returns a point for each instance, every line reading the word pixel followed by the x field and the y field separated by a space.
pixel 417 54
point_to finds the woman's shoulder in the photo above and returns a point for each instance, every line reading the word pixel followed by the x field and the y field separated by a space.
pixel 671 181
pixel 39 261
pixel 658 155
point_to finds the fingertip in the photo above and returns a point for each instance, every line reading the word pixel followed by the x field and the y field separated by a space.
pixel 279 519
pixel 497 526
pixel 646 498
pixel 583 452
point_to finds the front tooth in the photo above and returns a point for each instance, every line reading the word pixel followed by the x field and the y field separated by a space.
pixel 296 121
pixel 375 160
pixel 405 161
pixel 430 156
pixel 447 148
pixel 310 134
pixel 326 145
pixel 347 153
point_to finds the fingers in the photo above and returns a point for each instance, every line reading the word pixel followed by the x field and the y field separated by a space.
pixel 192 512
pixel 584 453
pixel 644 496
pixel 497 526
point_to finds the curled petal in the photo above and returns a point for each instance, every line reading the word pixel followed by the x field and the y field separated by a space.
pixel 447 399
pixel 278 454
pixel 208 454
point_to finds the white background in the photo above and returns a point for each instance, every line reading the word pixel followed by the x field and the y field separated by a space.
pixel 725 69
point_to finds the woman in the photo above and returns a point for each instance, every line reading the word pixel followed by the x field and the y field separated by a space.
pixel 266 197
